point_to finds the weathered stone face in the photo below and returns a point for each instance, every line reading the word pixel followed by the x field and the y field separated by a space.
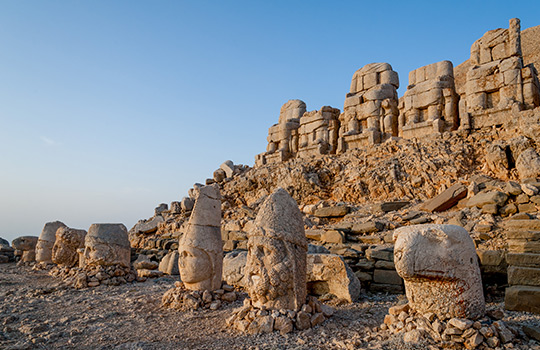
pixel 107 245
pixel 276 261
pixel 67 242
pixel 46 241
pixel 440 268
pixel 26 244
pixel 200 250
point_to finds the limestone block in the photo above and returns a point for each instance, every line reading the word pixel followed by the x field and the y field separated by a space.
pixel 523 276
pixel 379 92
pixel 367 227
pixel 332 236
pixel 46 241
pixel 370 80
pixel 330 212
pixel 440 268
pixel 228 168
pixel 200 250
pixel 389 77
pixel 525 259
pixel 169 264
pixel 148 226
pixel 528 164
pixel 483 198
pixel 522 246
pixel 520 225
pixel 522 298
pixel 387 276
pixel 390 206
pixel 447 199
pixel 68 241
pixel 380 253
pixel 26 244
pixel 276 259
pixel 333 272
pixel 107 245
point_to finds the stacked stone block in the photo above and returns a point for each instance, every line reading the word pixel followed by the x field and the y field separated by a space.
pixel 523 260
pixel 283 136
pixel 318 132
pixel 371 107
pixel 430 104
pixel 497 79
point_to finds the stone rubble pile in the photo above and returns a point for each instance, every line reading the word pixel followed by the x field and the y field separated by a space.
pixel 183 299
pixel 482 333
pixel 254 320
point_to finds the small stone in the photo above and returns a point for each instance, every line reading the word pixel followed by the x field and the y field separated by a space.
pixel 504 333
pixel 215 305
pixel 317 319
pixel 412 336
pixel 460 323
pixel 327 311
pixel 398 309
pixel 229 297
pixel 283 324
pixel 493 342
pixel 303 320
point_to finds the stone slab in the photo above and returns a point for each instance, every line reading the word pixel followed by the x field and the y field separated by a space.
pixel 330 212
pixel 387 277
pixel 524 259
pixel 523 276
pixel 447 199
pixel 522 298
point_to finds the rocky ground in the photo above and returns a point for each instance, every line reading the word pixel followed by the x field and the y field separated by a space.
pixel 38 312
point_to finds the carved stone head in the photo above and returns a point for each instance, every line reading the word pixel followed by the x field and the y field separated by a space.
pixel 46 241
pixel 277 249
pixel 440 268
pixel 200 249
pixel 67 242
pixel 107 245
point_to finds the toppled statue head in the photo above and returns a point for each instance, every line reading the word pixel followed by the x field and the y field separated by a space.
pixel 277 250
pixel 46 241
pixel 26 245
pixel 68 240
pixel 107 245
pixel 200 249
pixel 440 268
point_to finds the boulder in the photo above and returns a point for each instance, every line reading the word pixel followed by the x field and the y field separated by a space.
pixel 148 226
pixel 143 262
pixel 228 168
pixel 528 164
pixel 329 273
pixel 169 264
pixel 233 268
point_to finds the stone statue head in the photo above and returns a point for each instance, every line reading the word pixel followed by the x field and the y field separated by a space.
pixel 46 241
pixel 200 250
pixel 107 245
pixel 276 260
pixel 65 247
pixel 440 268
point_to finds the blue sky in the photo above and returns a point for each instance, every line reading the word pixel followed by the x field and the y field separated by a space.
pixel 108 108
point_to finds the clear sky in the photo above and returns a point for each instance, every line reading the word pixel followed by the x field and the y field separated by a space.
pixel 108 108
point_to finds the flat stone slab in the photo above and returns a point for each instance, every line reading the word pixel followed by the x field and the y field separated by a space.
pixel 483 198
pixel 390 206
pixel 332 212
pixel 522 298
pixel 524 259
pixel 447 199
pixel 523 276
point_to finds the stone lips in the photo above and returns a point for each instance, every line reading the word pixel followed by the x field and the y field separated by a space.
pixel 440 268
